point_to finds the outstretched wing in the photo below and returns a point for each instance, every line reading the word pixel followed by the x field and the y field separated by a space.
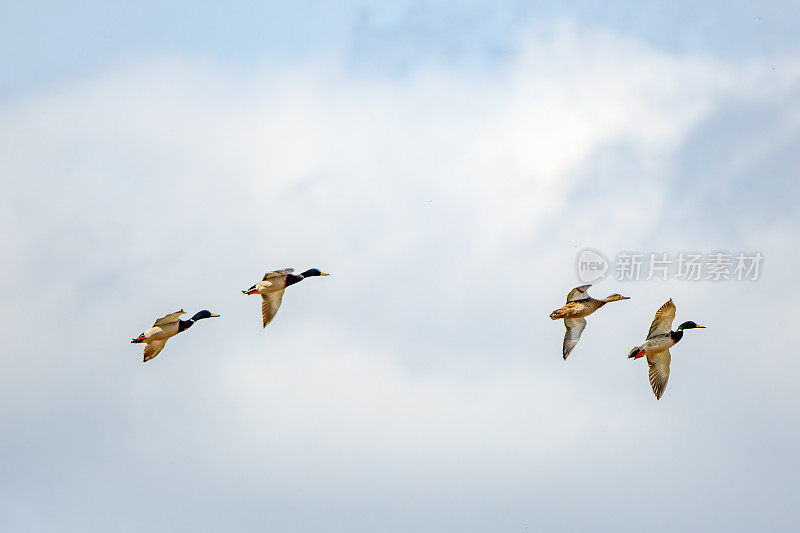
pixel 168 319
pixel 575 327
pixel 658 365
pixel 578 293
pixel 153 348
pixel 270 305
pixel 278 273
pixel 662 323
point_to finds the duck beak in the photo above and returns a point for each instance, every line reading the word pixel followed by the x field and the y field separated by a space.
pixel 699 326
pixel 213 315
pixel 324 274
pixel 626 297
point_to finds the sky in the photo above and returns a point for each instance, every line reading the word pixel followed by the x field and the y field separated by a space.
pixel 446 163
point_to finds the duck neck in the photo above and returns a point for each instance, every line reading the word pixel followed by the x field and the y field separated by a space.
pixel 183 325
pixel 595 304
pixel 291 279
pixel 676 335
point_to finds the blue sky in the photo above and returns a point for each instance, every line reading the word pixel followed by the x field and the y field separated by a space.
pixel 44 42
pixel 445 163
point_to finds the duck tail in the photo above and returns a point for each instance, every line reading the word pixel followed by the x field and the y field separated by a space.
pixel 636 352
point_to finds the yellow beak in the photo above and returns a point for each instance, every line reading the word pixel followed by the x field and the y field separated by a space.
pixel 324 274
pixel 213 315
pixel 699 326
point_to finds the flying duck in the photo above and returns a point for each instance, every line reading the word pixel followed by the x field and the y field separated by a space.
pixel 165 327
pixel 579 305
pixel 271 289
pixel 660 339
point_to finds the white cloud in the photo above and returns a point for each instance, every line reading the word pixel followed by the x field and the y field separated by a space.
pixel 423 375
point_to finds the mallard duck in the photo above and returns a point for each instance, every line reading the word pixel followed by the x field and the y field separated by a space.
pixel 660 339
pixel 271 289
pixel 165 327
pixel 579 305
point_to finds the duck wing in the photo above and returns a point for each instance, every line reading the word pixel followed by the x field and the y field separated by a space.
pixel 658 365
pixel 578 293
pixel 168 319
pixel 575 327
pixel 153 348
pixel 278 273
pixel 270 305
pixel 662 323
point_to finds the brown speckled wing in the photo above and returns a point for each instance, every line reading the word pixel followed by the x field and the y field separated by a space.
pixel 578 293
pixel 278 273
pixel 152 349
pixel 168 319
pixel 662 323
pixel 658 366
pixel 270 305
pixel 575 327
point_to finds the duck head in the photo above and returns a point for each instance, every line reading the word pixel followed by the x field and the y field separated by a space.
pixel 689 325
pixel 616 297
pixel 200 315
pixel 313 272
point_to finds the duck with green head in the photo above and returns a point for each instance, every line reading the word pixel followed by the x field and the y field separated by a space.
pixel 271 289
pixel 166 327
pixel 656 347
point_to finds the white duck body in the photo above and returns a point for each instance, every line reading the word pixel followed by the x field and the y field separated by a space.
pixel 163 332
pixel 658 343
pixel 275 284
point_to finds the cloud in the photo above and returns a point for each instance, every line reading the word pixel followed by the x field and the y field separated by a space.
pixel 420 386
